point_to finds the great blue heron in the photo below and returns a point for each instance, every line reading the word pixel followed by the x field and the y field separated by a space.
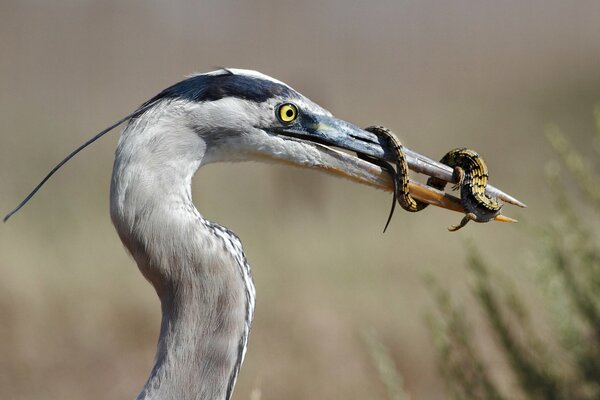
pixel 197 267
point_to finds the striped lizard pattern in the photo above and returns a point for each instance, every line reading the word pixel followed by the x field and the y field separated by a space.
pixel 470 172
pixel 471 176
pixel 401 192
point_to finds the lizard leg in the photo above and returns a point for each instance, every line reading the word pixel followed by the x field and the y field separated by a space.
pixel 468 217
pixel 459 175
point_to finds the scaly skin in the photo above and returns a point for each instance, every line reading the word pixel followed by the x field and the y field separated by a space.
pixel 401 180
pixel 399 175
pixel 472 177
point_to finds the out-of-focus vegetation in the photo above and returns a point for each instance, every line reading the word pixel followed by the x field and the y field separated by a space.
pixel 562 362
pixel 386 368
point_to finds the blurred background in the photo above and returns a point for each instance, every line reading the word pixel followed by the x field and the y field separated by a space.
pixel 77 320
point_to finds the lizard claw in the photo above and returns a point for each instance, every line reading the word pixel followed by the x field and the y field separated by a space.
pixel 459 175
pixel 468 217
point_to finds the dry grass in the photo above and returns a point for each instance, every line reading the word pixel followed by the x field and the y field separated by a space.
pixel 561 363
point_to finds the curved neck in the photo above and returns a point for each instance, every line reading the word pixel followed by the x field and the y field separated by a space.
pixel 192 264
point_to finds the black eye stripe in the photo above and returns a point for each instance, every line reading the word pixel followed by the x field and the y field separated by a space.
pixel 201 88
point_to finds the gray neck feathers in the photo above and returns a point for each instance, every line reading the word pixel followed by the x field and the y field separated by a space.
pixel 203 294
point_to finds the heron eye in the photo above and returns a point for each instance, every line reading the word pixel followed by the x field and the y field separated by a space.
pixel 287 112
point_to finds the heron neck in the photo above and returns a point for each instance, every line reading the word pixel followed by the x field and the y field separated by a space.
pixel 204 302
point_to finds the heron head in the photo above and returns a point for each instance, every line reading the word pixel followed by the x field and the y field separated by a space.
pixel 242 115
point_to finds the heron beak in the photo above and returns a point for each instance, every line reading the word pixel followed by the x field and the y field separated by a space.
pixel 328 131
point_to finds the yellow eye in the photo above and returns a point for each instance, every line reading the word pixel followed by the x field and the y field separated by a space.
pixel 287 112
